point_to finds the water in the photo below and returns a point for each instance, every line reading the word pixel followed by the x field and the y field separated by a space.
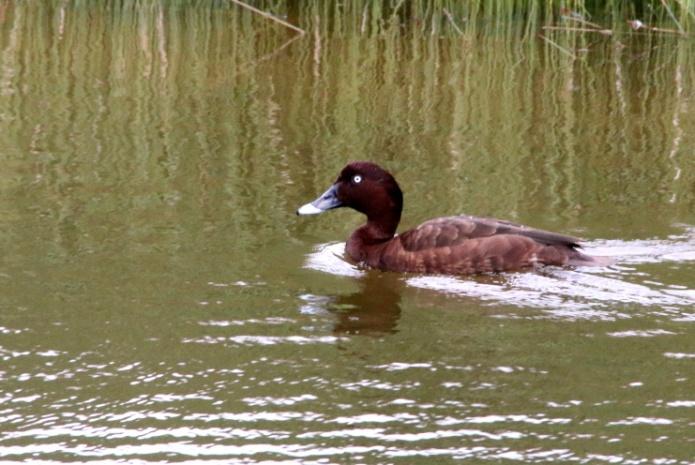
pixel 161 302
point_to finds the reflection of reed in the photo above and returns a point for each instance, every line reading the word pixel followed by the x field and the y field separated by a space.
pixel 161 117
pixel 677 130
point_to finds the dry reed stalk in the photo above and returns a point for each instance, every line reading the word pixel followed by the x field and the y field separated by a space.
pixel 638 26
pixel 558 46
pixel 606 32
pixel 667 31
pixel 269 16
pixel 572 17
pixel 451 20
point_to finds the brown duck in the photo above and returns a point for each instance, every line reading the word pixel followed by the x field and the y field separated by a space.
pixel 449 245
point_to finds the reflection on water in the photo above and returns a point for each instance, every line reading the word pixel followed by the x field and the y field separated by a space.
pixel 374 309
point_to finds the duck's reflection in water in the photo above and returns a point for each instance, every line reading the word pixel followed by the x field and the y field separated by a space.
pixel 373 310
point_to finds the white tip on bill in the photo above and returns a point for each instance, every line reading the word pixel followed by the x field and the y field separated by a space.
pixel 308 209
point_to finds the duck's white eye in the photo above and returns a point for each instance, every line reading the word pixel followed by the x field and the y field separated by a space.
pixel 357 179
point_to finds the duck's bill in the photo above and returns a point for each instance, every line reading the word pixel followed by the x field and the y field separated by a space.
pixel 327 201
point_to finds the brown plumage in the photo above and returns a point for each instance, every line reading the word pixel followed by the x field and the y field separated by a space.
pixel 450 245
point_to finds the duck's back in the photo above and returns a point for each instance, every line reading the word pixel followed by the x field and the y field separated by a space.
pixel 467 245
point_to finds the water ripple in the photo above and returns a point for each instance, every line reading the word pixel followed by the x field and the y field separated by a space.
pixel 248 339
pixel 584 293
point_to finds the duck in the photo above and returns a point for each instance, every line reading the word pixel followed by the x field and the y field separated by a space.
pixel 453 245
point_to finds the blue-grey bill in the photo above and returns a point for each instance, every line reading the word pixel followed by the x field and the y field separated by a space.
pixel 326 201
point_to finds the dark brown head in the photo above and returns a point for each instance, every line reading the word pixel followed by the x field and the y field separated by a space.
pixel 367 188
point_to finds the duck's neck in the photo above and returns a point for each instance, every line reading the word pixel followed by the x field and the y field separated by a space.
pixel 378 231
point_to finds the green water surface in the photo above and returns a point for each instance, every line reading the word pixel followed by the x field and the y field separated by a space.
pixel 161 302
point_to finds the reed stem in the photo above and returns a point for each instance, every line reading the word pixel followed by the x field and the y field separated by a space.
pixel 269 16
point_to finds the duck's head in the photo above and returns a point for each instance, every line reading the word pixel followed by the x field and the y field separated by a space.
pixel 365 187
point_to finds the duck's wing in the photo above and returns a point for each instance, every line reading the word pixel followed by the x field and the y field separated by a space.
pixel 453 230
